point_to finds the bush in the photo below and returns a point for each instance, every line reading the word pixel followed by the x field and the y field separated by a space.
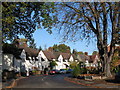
pixel 76 71
pixel 83 70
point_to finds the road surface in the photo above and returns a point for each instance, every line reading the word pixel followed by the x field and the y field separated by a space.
pixel 47 81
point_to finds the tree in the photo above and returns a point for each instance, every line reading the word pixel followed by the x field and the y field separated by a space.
pixel 40 48
pixel 76 71
pixel 86 20
pixel 52 64
pixel 73 64
pixel 32 44
pixel 115 61
pixel 80 52
pixel 94 53
pixel 22 18
pixel 75 52
pixel 10 48
pixel 61 48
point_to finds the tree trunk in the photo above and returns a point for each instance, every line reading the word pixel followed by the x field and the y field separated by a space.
pixel 107 65
pixel 108 70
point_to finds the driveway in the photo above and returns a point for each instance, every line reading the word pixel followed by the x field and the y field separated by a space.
pixel 47 81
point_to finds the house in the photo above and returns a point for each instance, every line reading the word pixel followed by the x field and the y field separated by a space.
pixel 94 61
pixel 11 61
pixel 44 58
pixel 29 58
pixel 83 58
pixel 11 58
pixel 64 59
pixel 89 60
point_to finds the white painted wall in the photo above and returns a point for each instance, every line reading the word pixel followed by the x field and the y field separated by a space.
pixel 71 58
pixel 7 62
pixel 61 63
pixel 23 55
pixel 44 63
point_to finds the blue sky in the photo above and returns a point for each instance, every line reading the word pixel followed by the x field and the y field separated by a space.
pixel 42 38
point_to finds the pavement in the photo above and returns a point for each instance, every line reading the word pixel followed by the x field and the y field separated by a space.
pixel 94 83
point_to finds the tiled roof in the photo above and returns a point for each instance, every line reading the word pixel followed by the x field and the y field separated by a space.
pixel 92 58
pixel 65 55
pixel 83 57
pixel 56 54
pixel 29 51
pixel 49 55
pixel 74 56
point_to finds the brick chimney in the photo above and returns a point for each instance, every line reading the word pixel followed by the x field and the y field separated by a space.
pixel 86 53
pixel 25 44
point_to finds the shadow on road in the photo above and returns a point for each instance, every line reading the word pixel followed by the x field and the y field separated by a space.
pixel 113 81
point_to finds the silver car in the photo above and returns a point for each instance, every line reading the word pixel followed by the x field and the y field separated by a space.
pixel 62 71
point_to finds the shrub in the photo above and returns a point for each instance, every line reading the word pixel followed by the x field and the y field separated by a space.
pixel 73 65
pixel 76 71
pixel 83 70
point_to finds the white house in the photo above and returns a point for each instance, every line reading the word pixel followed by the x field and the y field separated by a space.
pixel 89 61
pixel 64 60
pixel 44 58
pixel 29 59
pixel 28 56
pixel 94 61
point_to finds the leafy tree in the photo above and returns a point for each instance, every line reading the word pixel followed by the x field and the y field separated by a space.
pixel 75 52
pixel 10 48
pixel 55 48
pixel 80 53
pixel 73 65
pixel 22 18
pixel 115 60
pixel 96 20
pixel 40 48
pixel 61 48
pixel 76 71
pixel 94 53
pixel 52 64
pixel 20 41
pixel 32 44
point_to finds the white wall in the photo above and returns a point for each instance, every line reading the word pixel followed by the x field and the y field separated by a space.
pixel 61 64
pixel 7 62
pixel 44 63
pixel 71 58
pixel 23 55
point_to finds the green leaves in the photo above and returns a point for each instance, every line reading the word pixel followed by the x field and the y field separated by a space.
pixel 22 18
pixel 52 64
pixel 61 48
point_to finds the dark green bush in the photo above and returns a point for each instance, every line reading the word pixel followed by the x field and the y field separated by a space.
pixel 83 70
pixel 76 71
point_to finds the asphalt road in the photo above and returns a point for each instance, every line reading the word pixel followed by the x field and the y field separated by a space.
pixel 47 81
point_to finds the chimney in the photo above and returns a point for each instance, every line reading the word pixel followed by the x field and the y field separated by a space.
pixel 86 53
pixel 25 44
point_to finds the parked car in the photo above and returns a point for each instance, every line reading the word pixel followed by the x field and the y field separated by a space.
pixel 69 70
pixel 62 71
pixel 52 72
pixel 56 71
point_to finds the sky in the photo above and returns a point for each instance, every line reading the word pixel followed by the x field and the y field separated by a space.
pixel 44 39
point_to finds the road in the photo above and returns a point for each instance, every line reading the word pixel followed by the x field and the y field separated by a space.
pixel 47 81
